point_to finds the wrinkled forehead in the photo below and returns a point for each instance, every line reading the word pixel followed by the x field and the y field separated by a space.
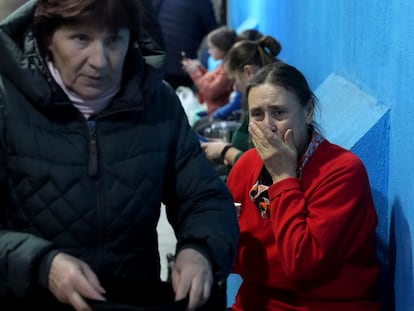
pixel 271 94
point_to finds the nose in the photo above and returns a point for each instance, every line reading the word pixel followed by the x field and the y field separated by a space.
pixel 268 120
pixel 98 57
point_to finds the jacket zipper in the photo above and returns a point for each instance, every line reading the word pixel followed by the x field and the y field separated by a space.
pixel 93 173
pixel 93 150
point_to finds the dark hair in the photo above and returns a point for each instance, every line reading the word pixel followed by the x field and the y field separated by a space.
pixel 113 14
pixel 222 38
pixel 258 53
pixel 250 34
pixel 284 75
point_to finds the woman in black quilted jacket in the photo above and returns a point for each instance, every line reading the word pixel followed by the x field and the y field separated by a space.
pixel 92 144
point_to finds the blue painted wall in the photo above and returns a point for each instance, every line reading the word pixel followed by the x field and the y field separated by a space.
pixel 370 44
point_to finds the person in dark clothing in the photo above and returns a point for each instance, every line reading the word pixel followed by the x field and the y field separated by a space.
pixel 184 24
pixel 92 142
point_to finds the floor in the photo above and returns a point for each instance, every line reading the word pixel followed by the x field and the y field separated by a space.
pixel 166 240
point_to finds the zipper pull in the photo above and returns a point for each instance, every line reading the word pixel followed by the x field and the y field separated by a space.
pixel 93 150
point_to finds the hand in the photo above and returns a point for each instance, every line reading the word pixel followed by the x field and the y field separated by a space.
pixel 213 149
pixel 70 279
pixel 278 154
pixel 192 276
pixel 190 65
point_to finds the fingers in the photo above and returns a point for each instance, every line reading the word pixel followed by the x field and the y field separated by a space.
pixel 289 139
pixel 207 291
pixel 181 289
pixel 198 294
pixel 184 63
pixel 263 139
pixel 93 282
pixel 204 145
pixel 192 276
pixel 279 153
pixel 70 279
pixel 77 302
pixel 262 135
pixel 87 284
pixel 197 290
pixel 188 64
pixel 213 149
pixel 255 130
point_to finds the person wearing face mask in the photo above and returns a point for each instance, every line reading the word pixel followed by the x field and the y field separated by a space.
pixel 213 87
pixel 306 215
pixel 92 142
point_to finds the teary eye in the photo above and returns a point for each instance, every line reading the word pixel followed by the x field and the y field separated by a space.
pixel 277 113
pixel 256 113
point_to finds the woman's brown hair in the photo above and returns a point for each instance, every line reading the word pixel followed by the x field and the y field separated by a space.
pixel 284 75
pixel 257 53
pixel 111 14
pixel 222 38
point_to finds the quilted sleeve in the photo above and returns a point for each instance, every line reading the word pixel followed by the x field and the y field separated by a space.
pixel 20 253
pixel 199 205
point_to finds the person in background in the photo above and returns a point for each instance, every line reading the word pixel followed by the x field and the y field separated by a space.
pixel 213 87
pixel 250 34
pixel 235 102
pixel 241 63
pixel 184 25
pixel 307 218
pixel 92 141
pixel 229 110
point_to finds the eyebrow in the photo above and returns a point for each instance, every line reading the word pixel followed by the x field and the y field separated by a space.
pixel 255 109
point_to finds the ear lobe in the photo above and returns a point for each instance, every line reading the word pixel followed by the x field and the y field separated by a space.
pixel 310 109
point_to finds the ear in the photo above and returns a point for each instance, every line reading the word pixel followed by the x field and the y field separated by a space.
pixel 310 109
pixel 248 69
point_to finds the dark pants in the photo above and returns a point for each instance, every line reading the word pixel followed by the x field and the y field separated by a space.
pixel 160 297
pixel 124 297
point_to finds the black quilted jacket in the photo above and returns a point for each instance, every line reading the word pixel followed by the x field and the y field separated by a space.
pixel 93 188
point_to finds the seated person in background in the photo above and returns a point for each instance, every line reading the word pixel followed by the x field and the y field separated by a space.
pixel 243 60
pixel 234 106
pixel 213 87
pixel 229 110
pixel 307 218
pixel 250 34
